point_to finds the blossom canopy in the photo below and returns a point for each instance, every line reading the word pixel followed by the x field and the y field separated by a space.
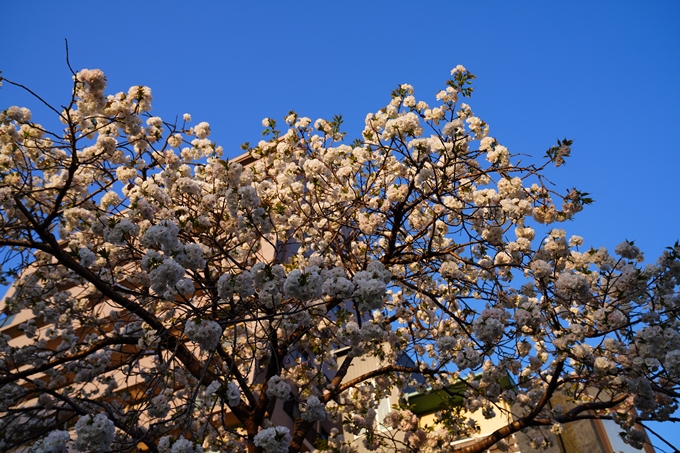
pixel 170 297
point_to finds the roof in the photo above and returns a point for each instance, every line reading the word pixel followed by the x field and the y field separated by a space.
pixel 452 395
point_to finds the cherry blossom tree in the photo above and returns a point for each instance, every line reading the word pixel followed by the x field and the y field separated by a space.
pixel 177 295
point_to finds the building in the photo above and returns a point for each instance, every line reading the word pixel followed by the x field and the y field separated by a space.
pixel 583 436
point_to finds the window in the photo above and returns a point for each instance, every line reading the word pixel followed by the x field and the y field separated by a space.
pixel 384 408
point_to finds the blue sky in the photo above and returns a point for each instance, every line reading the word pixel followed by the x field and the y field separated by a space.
pixel 604 74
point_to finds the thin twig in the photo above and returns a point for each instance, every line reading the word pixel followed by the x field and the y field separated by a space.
pixel 35 95
pixel 68 63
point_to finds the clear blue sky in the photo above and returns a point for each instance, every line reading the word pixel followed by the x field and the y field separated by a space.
pixel 605 74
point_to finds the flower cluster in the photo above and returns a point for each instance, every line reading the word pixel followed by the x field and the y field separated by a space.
pixel 273 440
pixel 94 433
pixel 159 406
pixel 182 445
pixel 314 409
pixel 241 284
pixel 204 332
pixel 302 285
pixel 278 388
pixel 55 442
pixel 233 394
